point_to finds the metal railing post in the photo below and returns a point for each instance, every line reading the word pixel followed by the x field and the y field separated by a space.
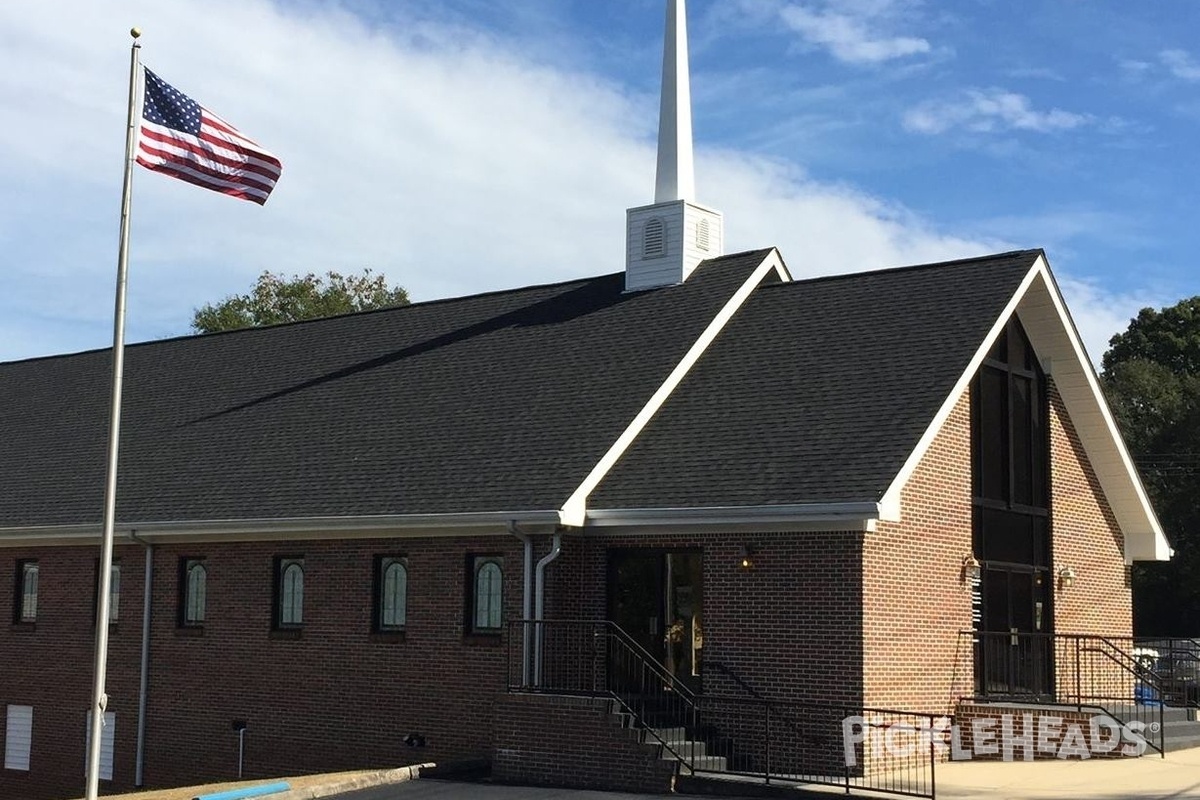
pixel 1079 687
pixel 933 761
pixel 767 739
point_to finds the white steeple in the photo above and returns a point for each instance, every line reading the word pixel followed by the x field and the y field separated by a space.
pixel 676 171
pixel 665 241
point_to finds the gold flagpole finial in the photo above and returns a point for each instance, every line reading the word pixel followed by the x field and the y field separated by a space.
pixel 135 32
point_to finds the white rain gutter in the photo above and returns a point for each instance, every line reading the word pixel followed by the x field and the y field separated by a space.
pixel 527 598
pixel 297 527
pixel 540 610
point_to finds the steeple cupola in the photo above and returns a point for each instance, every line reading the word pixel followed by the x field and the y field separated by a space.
pixel 665 241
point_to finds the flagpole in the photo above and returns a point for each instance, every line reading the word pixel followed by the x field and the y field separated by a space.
pixel 99 698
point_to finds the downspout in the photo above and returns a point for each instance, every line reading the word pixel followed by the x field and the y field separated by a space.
pixel 144 685
pixel 540 611
pixel 527 600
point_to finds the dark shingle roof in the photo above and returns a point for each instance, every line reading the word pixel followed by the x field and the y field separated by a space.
pixel 495 402
pixel 818 390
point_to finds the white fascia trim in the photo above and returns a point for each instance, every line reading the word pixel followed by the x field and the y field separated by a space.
pixel 1162 549
pixel 890 502
pixel 574 511
pixel 298 527
pixel 852 516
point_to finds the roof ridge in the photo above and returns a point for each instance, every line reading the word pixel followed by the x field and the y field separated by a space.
pixel 911 267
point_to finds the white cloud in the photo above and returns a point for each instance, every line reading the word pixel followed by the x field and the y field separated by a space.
pixel 446 158
pixel 1100 314
pixel 849 38
pixel 987 110
pixel 1181 64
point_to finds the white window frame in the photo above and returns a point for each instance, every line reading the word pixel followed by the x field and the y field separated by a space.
pixel 114 593
pixel 487 594
pixel 393 593
pixel 18 737
pixel 291 592
pixel 28 595
pixel 195 592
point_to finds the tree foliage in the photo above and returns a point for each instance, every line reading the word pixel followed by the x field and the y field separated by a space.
pixel 1151 377
pixel 276 298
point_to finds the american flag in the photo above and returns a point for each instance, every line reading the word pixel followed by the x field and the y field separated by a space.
pixel 183 139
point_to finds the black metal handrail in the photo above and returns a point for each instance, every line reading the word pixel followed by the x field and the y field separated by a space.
pixel 597 658
pixel 1069 669
pixel 708 733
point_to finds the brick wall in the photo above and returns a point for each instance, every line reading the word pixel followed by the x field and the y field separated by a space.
pixel 573 741
pixel 49 666
pixel 1086 539
pixel 791 627
pixel 335 698
pixel 1053 733
pixel 914 599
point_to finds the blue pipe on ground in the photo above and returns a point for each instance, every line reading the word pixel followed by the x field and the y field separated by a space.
pixel 249 791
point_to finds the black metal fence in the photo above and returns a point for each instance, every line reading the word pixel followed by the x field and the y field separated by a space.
pixel 1118 674
pixel 879 750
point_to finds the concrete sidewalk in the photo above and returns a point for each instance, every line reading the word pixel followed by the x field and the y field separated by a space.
pixel 1176 776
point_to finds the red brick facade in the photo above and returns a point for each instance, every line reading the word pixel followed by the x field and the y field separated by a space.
pixel 573 741
pixel 1086 539
pixel 337 697
pixel 861 618
pixel 915 600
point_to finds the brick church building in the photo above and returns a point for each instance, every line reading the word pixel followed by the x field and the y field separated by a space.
pixel 329 532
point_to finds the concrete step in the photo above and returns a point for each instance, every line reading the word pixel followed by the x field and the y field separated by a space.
pixel 704 764
pixel 1182 743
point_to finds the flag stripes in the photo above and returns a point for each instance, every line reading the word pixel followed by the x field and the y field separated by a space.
pixel 184 140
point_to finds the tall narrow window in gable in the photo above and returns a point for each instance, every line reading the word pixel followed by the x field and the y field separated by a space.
pixel 26 599
pixel 487 594
pixel 1011 452
pixel 289 592
pixel 391 593
pixel 193 592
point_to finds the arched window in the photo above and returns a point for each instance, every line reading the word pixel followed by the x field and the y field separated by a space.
pixel 393 593
pixel 195 591
pixel 654 239
pixel 291 592
pixel 489 595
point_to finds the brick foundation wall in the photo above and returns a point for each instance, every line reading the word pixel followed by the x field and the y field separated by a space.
pixel 915 601
pixel 1055 732
pixel 573 741
pixel 1086 539
pixel 338 697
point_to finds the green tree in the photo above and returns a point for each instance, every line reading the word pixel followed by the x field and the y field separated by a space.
pixel 276 298
pixel 1151 376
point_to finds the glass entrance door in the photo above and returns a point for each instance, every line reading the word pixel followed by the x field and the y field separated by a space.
pixel 1015 657
pixel 656 596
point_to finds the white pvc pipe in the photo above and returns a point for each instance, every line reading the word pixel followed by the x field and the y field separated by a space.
pixel 539 613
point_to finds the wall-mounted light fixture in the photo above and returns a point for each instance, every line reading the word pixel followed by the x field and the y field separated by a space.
pixel 1066 578
pixel 971 569
pixel 746 561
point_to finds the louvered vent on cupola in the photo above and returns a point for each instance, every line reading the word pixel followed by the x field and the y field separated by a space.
pixel 702 242
pixel 654 239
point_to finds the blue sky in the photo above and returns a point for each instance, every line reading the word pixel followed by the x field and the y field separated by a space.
pixel 460 146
